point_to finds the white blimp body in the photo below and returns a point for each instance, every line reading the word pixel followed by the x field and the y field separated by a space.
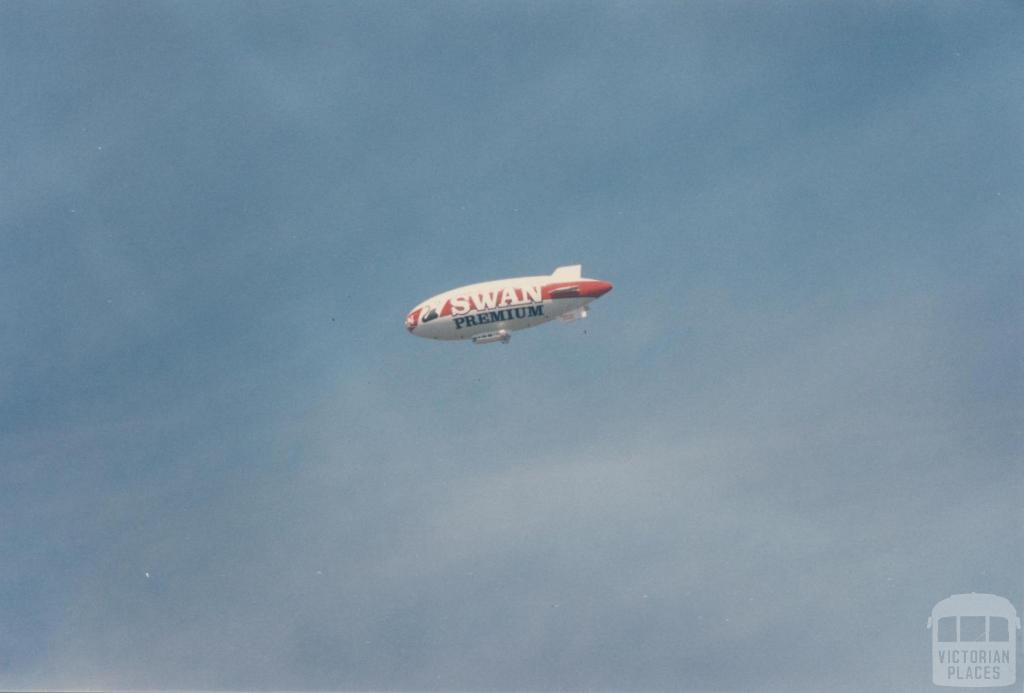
pixel 491 311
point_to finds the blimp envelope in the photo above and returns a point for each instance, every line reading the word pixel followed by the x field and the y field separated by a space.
pixel 490 311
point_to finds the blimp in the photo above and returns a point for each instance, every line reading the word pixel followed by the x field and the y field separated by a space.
pixel 490 311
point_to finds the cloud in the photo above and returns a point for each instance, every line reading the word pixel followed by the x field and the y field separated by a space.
pixel 785 435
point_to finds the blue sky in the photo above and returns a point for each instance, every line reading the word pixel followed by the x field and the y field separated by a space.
pixel 792 427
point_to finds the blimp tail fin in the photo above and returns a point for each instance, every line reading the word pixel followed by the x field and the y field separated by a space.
pixel 568 273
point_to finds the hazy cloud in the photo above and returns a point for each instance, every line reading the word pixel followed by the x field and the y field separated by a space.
pixel 791 429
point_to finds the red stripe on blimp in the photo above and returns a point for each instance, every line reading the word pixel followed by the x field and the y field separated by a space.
pixel 590 288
